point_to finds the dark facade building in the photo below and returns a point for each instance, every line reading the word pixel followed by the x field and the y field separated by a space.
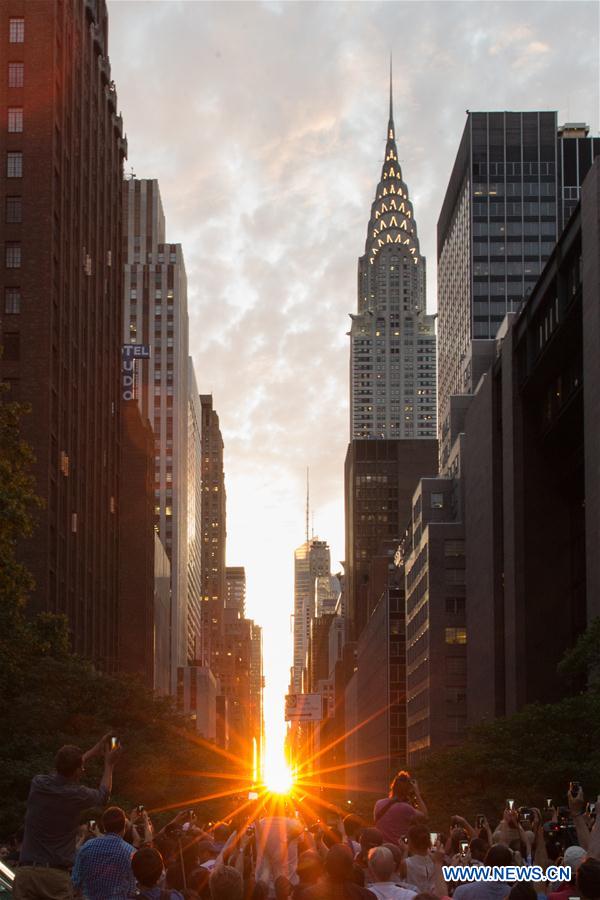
pixel 514 183
pixel 380 478
pixel 532 525
pixel 433 553
pixel 61 300
pixel 136 544
pixel 235 585
pixel 376 722
pixel 214 529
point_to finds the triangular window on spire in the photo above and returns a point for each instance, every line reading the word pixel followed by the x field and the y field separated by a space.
pixel 408 214
pixel 393 204
pixel 377 214
pixel 380 243
pixel 392 189
pixel 391 134
pixel 401 208
pixel 375 233
pixel 392 172
pixel 385 191
pixel 403 225
pixel 407 240
pixel 390 239
pixel 393 222
pixel 398 239
pixel 384 208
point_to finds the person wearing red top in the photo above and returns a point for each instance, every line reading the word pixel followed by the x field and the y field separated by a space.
pixel 404 807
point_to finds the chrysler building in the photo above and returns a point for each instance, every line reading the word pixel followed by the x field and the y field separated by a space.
pixel 392 339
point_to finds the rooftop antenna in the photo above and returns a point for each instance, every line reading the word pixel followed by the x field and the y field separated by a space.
pixel 307 502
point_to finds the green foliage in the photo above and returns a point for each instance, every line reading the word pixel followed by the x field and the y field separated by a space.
pixel 528 756
pixel 584 658
pixel 50 697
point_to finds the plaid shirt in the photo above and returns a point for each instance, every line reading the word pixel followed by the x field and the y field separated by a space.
pixel 103 869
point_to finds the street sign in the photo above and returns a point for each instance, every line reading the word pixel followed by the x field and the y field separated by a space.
pixel 303 708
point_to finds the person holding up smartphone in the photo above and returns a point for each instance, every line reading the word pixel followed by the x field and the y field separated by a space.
pixel 54 808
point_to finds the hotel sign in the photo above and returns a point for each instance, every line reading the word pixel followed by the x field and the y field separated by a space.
pixel 129 354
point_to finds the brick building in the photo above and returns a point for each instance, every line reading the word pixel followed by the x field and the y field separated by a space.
pixel 61 150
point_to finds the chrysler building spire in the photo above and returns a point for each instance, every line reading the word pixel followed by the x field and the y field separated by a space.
pixel 392 355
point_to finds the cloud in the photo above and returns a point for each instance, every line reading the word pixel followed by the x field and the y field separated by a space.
pixel 265 125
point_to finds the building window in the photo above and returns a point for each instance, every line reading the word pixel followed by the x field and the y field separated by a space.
pixel 455 605
pixel 437 501
pixel 13 256
pixel 456 635
pixel 16 74
pixel 454 548
pixel 16 31
pixel 11 346
pixel 14 165
pixel 14 212
pixel 15 119
pixel 12 300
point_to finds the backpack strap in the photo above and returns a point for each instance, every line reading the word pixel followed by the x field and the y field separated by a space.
pixel 385 808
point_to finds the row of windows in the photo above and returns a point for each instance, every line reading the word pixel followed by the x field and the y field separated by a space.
pixel 514 168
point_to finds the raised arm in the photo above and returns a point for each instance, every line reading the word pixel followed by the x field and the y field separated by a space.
pixel 420 803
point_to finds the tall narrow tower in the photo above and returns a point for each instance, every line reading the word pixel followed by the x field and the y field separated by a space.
pixel 393 344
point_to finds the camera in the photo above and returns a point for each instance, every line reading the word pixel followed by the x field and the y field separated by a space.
pixel 191 815
pixel 525 814
pixel 91 824
pixel 115 743
pixel 480 821
pixel 574 788
pixel 464 846
pixel 141 808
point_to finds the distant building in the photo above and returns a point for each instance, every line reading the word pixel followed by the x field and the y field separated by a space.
pixel 235 584
pixel 162 613
pixel 311 560
pixel 380 478
pixel 194 508
pixel 214 531
pixel 155 293
pixel 196 697
pixel 436 635
pixel 392 339
pixel 61 302
pixel 136 547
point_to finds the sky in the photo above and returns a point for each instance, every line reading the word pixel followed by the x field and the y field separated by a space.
pixel 265 125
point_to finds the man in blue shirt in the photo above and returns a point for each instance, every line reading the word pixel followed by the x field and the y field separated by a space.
pixel 54 809
pixel 102 868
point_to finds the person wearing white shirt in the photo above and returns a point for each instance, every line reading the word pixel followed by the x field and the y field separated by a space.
pixel 381 867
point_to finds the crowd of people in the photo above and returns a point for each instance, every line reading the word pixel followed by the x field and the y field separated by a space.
pixel 271 849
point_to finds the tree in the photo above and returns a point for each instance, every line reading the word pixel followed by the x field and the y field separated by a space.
pixel 50 697
pixel 529 756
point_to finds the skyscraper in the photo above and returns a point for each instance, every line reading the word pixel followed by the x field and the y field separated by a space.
pixel 155 289
pixel 515 179
pixel 214 531
pixel 62 148
pixel 392 339
pixel 311 560
pixel 194 509
pixel 235 598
